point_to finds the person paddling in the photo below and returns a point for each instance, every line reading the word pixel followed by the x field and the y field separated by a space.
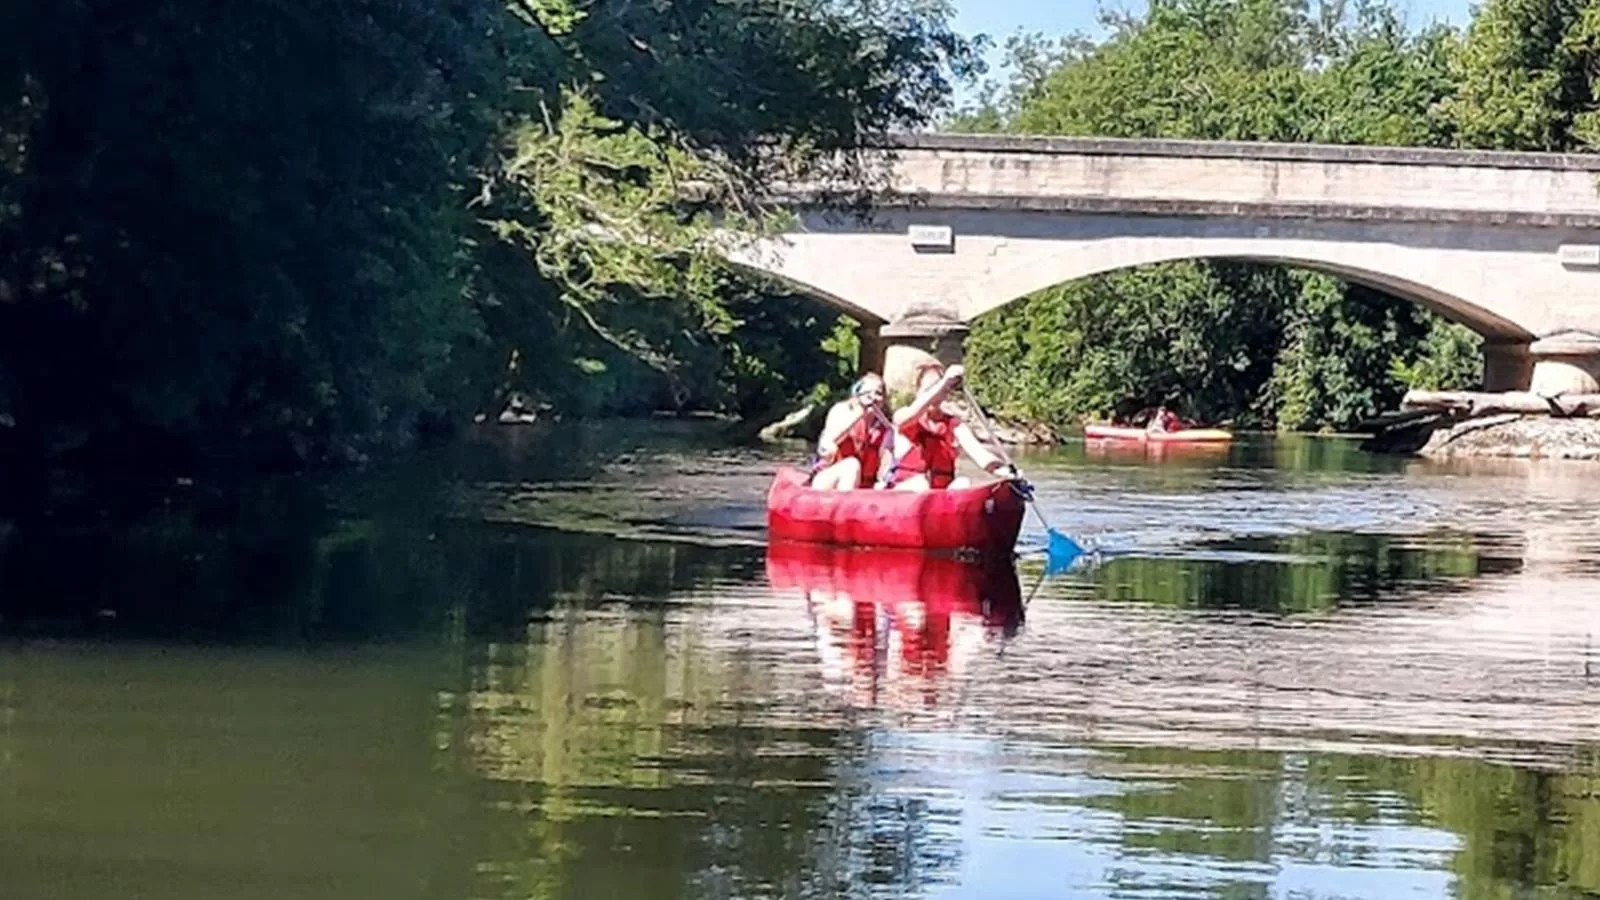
pixel 929 440
pixel 1164 421
pixel 852 450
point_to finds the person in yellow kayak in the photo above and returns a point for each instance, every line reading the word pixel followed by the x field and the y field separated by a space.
pixel 1164 421
pixel 928 440
pixel 852 451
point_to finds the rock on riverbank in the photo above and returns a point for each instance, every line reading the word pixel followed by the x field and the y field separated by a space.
pixel 1517 436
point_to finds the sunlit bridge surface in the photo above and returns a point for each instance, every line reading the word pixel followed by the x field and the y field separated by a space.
pixel 1290 670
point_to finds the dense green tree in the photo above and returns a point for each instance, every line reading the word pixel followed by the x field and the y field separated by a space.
pixel 719 95
pixel 1297 350
pixel 1188 69
pixel 291 229
pixel 1525 76
pixel 227 221
pixel 1185 333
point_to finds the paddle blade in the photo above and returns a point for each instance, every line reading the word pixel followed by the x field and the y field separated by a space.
pixel 1063 550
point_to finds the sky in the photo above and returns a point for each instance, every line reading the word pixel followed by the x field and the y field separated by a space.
pixel 1000 18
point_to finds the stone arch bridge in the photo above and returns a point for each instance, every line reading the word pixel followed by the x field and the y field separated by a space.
pixel 1508 244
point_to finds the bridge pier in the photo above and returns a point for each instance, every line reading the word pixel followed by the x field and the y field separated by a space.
pixel 1565 363
pixel 1506 367
pixel 869 338
pixel 903 345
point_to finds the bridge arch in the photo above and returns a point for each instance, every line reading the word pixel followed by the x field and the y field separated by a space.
pixel 766 272
pixel 929 307
pixel 1074 264
pixel 1377 267
pixel 996 257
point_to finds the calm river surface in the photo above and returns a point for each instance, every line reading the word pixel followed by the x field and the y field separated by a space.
pixel 1290 670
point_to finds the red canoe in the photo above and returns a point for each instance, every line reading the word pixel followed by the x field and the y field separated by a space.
pixel 983 519
pixel 1182 436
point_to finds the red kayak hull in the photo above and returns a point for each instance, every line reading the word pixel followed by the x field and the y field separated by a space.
pixel 984 519
pixel 1184 436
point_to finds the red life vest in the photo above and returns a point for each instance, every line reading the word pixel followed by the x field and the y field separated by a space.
pixel 864 441
pixel 933 451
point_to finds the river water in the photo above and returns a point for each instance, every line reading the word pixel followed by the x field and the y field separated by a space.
pixel 566 666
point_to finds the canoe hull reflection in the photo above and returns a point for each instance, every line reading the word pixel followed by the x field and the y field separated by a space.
pixel 892 578
pixel 898 628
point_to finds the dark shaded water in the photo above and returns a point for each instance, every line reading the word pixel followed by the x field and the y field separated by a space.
pixel 1293 671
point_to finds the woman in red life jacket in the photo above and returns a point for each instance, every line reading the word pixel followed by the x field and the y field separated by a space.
pixel 929 440
pixel 852 451
pixel 1164 420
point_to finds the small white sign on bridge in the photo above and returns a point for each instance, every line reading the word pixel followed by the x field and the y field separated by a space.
pixel 931 237
pixel 1587 255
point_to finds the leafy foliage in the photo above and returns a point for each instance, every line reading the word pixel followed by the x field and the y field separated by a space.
pixel 1112 346
pixel 294 229
pixel 1223 341
pixel 1526 73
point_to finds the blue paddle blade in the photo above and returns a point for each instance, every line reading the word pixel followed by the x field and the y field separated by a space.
pixel 1063 550
pixel 1064 554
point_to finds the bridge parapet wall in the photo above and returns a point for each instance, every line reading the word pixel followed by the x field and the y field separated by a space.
pixel 1244 179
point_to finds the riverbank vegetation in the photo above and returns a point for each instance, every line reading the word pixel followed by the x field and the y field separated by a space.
pixel 302 232
pixel 1268 346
